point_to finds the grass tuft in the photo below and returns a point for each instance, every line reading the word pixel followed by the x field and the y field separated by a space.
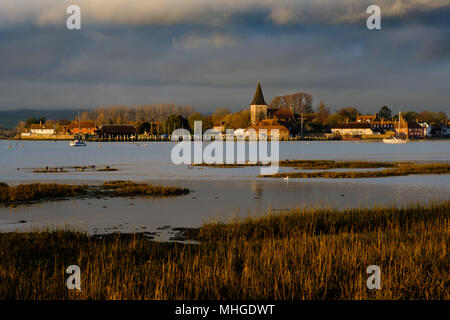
pixel 25 193
pixel 401 169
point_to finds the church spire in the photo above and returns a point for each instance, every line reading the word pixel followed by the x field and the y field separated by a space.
pixel 258 98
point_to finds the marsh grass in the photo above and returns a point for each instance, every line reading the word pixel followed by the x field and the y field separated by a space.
pixel 332 164
pixel 230 165
pixel 26 193
pixel 308 164
pixel 298 254
pixel 401 169
pixel 128 188
pixel 38 191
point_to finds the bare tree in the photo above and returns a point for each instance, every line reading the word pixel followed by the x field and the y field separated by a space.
pixel 298 102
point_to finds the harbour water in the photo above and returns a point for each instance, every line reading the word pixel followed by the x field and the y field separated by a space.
pixel 216 193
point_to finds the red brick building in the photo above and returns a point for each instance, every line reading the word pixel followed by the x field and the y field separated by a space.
pixel 82 127
pixel 410 129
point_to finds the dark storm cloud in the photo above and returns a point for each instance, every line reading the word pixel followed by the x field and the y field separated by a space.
pixel 406 64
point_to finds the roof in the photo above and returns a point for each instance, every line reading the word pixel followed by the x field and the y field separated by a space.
pixel 42 126
pixel 268 124
pixel 352 125
pixel 82 124
pixel 258 98
pixel 414 125
pixel 284 113
pixel 366 117
pixel 118 129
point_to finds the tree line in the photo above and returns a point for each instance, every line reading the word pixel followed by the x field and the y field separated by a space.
pixel 164 118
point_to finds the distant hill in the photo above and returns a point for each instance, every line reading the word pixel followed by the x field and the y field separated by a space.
pixel 10 118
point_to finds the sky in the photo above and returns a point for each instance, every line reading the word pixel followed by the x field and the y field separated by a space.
pixel 211 53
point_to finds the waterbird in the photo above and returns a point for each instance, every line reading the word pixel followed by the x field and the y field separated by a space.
pixel 286 178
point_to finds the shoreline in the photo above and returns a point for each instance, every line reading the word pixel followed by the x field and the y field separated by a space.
pixel 168 140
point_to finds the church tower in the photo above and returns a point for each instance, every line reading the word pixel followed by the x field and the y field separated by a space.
pixel 258 106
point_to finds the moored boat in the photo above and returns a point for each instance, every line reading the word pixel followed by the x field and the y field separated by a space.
pixel 396 140
pixel 77 143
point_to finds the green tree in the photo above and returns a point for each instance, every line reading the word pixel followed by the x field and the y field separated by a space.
pixel 385 113
pixel 349 113
pixel 409 116
pixel 176 121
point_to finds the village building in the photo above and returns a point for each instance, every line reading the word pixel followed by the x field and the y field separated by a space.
pixel 382 125
pixel 277 122
pixel 410 129
pixel 25 132
pixel 285 117
pixel 444 129
pixel 271 128
pixel 42 129
pixel 352 128
pixel 219 127
pixel 366 118
pixel 82 127
pixel 258 106
pixel 428 128
pixel 376 124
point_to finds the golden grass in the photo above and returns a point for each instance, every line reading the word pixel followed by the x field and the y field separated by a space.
pixel 230 165
pixel 53 191
pixel 38 191
pixel 332 164
pixel 399 170
pixel 300 254
pixel 308 164
pixel 128 188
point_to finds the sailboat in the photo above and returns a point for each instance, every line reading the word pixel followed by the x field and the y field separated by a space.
pixel 396 140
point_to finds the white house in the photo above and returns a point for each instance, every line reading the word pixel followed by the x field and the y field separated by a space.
pixel 42 129
pixel 352 128
pixel 427 131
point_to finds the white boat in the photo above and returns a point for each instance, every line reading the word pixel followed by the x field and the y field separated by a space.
pixel 77 143
pixel 395 140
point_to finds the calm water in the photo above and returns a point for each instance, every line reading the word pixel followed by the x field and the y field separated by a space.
pixel 216 193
